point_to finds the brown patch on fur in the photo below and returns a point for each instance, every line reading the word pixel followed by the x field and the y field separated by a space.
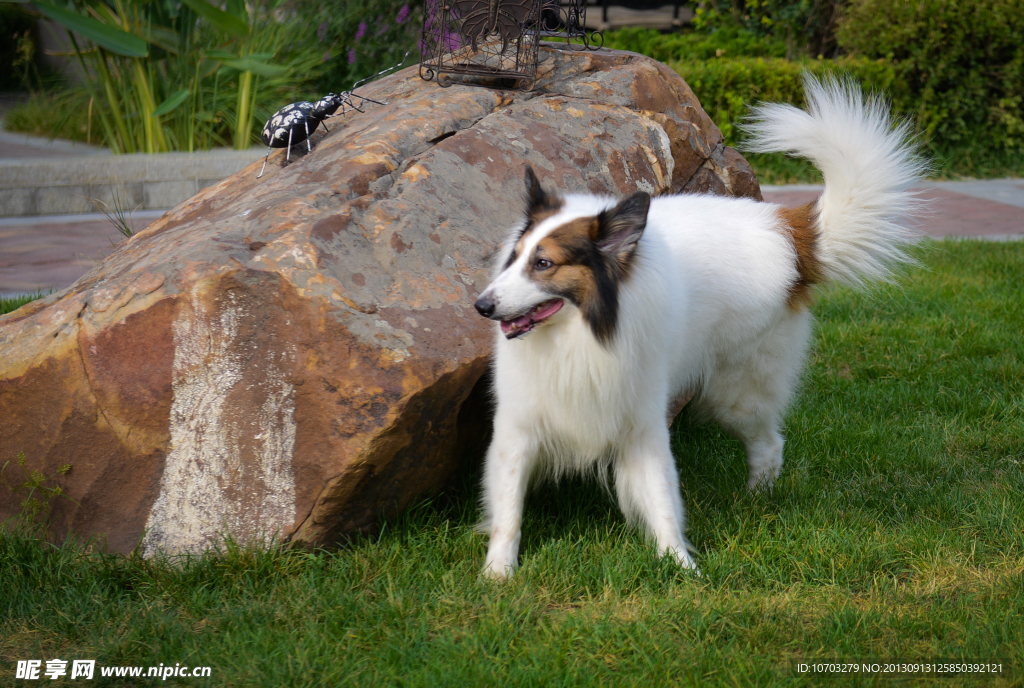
pixel 677 403
pixel 534 217
pixel 538 214
pixel 801 224
pixel 563 247
pixel 564 237
pixel 586 259
pixel 581 273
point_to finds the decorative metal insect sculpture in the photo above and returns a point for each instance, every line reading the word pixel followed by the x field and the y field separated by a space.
pixel 481 18
pixel 296 122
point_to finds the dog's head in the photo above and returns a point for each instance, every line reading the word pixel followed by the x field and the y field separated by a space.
pixel 577 250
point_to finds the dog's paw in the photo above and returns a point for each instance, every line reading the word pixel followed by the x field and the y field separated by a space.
pixel 684 559
pixel 762 481
pixel 496 573
pixel 502 558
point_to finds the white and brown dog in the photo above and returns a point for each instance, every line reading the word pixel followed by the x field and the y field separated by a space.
pixel 609 310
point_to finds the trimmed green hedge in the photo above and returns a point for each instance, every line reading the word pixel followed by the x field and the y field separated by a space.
pixel 961 63
pixel 726 42
pixel 730 70
pixel 955 70
pixel 728 87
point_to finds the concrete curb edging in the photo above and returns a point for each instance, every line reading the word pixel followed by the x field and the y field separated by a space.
pixel 66 185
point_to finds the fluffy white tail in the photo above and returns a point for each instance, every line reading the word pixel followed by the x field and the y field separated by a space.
pixel 869 165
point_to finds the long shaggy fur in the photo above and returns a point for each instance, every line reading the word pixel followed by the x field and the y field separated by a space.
pixel 868 166
pixel 710 297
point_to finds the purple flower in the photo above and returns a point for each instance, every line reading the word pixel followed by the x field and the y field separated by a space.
pixel 321 32
pixel 451 41
pixel 352 56
pixel 403 14
pixel 362 30
pixel 383 29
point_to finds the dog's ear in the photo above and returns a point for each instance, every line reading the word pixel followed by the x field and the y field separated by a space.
pixel 537 199
pixel 620 228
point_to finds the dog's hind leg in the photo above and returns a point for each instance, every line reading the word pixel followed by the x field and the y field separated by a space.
pixel 750 391
pixel 507 470
pixel 763 442
pixel 647 485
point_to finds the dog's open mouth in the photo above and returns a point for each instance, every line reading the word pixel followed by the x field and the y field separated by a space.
pixel 517 327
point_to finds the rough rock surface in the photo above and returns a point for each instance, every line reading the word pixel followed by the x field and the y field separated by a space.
pixel 289 355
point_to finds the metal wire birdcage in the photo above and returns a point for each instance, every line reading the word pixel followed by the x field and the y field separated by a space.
pixel 567 19
pixel 495 39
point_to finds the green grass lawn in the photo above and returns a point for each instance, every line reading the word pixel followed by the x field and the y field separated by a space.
pixel 896 532
pixel 13 303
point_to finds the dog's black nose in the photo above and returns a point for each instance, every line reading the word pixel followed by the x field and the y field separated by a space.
pixel 485 306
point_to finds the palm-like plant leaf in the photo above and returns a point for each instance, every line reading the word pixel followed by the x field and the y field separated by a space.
pixel 106 36
pixel 224 21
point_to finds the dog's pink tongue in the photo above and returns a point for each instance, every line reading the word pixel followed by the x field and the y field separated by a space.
pixel 544 310
pixel 549 309
pixel 509 325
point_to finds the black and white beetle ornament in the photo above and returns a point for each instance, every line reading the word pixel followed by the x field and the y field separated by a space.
pixel 295 123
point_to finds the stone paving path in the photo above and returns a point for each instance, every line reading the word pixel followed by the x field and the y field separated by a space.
pixel 992 209
pixel 52 252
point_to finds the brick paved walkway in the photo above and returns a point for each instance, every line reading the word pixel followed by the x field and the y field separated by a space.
pixel 991 208
pixel 44 253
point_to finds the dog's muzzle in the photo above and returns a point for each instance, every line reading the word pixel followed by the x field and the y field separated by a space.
pixel 485 306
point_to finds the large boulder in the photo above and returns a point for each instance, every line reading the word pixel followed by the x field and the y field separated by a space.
pixel 292 356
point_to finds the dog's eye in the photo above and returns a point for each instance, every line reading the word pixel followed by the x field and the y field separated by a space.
pixel 542 264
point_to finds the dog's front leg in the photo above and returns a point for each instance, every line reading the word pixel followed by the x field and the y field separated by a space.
pixel 647 485
pixel 507 468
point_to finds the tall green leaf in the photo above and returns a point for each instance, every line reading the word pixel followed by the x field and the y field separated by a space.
pixel 171 102
pixel 237 8
pixel 224 21
pixel 247 64
pixel 110 37
pixel 162 37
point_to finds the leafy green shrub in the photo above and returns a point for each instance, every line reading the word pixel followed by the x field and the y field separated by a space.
pixel 962 64
pixel 805 27
pixel 727 88
pixel 363 37
pixel 62 114
pixel 956 71
pixel 727 41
